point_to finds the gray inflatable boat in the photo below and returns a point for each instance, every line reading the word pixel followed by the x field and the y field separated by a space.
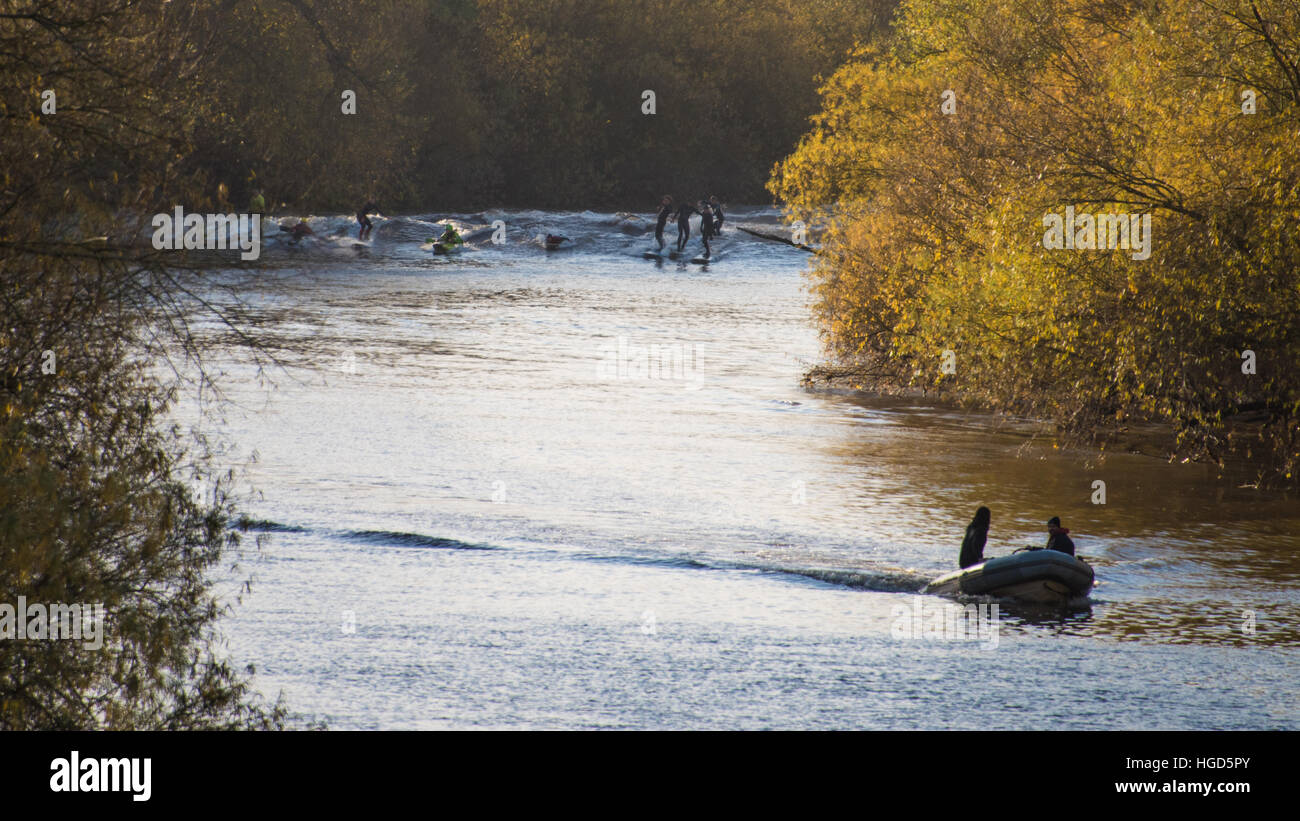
pixel 1038 576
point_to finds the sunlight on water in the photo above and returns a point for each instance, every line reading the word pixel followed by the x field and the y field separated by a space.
pixel 668 531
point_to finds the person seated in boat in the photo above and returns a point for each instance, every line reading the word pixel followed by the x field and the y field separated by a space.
pixel 977 534
pixel 450 236
pixel 1058 537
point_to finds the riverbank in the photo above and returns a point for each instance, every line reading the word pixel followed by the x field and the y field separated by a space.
pixel 1156 440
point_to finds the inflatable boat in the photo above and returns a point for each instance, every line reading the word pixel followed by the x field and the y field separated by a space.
pixel 1039 576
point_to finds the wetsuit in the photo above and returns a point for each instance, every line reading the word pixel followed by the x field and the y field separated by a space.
pixel 706 229
pixel 717 219
pixel 363 220
pixel 972 547
pixel 664 212
pixel 684 226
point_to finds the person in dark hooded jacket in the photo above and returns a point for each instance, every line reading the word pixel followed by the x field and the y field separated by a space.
pixel 977 533
pixel 1059 538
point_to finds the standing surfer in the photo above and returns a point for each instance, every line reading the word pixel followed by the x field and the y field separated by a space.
pixel 363 220
pixel 684 212
pixel 706 226
pixel 665 209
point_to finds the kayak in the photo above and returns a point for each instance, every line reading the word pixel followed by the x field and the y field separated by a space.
pixel 443 248
pixel 1040 576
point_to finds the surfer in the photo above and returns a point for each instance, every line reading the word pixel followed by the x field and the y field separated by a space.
pixel 684 212
pixel 717 215
pixel 665 210
pixel 297 232
pixel 1058 538
pixel 706 226
pixel 364 221
pixel 552 240
pixel 977 534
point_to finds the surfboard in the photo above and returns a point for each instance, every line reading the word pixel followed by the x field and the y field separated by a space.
pixel 653 255
pixel 703 260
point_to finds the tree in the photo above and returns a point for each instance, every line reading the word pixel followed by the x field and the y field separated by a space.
pixel 95 501
pixel 936 217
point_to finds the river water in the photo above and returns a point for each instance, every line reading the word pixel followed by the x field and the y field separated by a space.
pixel 514 488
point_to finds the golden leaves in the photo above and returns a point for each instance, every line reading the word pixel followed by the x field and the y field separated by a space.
pixel 941 247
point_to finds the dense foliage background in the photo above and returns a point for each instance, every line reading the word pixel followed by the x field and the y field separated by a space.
pixel 476 103
pixel 935 220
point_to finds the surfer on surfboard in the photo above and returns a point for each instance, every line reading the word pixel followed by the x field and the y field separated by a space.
pixel 684 212
pixel 706 226
pixel 717 215
pixel 363 220
pixel 665 210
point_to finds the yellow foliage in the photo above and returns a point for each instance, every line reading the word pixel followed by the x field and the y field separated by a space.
pixel 936 218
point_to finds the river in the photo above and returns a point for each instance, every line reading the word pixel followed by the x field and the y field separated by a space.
pixel 514 488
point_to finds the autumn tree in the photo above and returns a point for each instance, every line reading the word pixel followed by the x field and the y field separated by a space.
pixel 935 162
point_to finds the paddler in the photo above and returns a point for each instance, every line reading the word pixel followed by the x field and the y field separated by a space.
pixel 297 232
pixel 449 237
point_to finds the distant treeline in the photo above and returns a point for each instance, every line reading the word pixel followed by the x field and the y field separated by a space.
pixel 473 103
pixel 975 170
